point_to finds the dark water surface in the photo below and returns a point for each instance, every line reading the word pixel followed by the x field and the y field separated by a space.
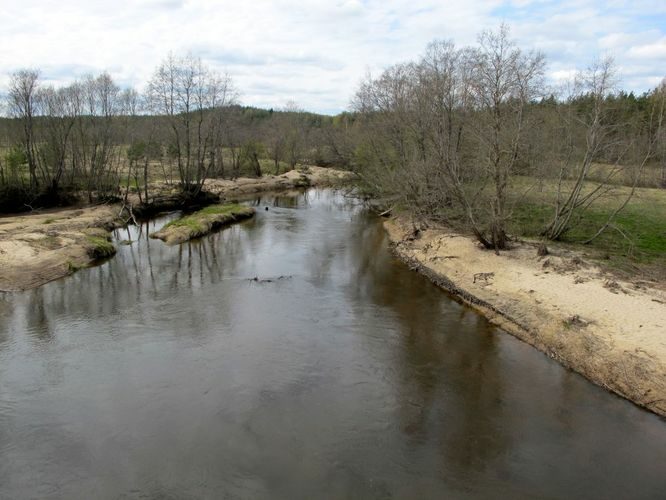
pixel 167 373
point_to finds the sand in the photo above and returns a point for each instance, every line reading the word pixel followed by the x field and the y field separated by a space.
pixel 311 176
pixel 44 246
pixel 612 332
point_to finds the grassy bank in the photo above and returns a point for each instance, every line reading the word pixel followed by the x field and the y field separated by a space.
pixel 634 243
pixel 202 222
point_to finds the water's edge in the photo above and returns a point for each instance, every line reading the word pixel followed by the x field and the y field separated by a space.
pixel 294 356
pixel 623 374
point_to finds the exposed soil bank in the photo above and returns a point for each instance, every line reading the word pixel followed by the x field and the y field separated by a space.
pixel 43 246
pixel 38 248
pixel 202 223
pixel 613 333
pixel 309 176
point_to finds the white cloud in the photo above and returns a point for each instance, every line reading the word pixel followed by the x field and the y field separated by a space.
pixel 313 52
pixel 563 75
pixel 655 50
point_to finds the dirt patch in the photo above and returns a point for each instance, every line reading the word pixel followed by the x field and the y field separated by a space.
pixel 610 331
pixel 38 248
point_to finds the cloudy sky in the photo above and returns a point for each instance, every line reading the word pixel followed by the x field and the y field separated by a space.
pixel 315 52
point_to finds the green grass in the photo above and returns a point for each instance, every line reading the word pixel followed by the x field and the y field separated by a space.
pixel 132 183
pixel 229 208
pixel 268 166
pixel 195 221
pixel 202 222
pixel 99 247
pixel 638 235
pixel 302 182
pixel 189 222
pixel 72 267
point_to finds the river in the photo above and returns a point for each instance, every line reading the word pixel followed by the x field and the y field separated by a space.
pixel 170 372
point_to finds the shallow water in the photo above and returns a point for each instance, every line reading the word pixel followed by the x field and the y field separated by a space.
pixel 167 372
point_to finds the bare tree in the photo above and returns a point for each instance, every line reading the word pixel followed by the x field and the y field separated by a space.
pixel 655 134
pixel 293 132
pixel 130 102
pixel 59 114
pixel 190 95
pixel 447 132
pixel 275 140
pixel 385 105
pixel 503 82
pixel 23 87
pixel 594 134
pixel 594 84
pixel 660 136
pixel 102 99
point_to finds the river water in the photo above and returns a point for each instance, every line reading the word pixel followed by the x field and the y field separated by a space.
pixel 169 372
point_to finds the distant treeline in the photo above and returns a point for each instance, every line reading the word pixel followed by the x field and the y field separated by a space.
pixel 465 135
pixel 94 140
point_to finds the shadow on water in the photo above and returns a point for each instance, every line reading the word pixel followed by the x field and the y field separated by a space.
pixel 169 372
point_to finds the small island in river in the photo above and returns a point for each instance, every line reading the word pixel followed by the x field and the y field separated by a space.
pixel 202 222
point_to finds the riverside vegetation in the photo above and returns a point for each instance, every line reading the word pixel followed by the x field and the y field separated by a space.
pixel 470 140
pixel 466 136
pixel 48 244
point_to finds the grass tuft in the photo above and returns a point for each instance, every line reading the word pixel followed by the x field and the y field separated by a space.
pixel 99 247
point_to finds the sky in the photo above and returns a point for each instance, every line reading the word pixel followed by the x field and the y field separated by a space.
pixel 315 52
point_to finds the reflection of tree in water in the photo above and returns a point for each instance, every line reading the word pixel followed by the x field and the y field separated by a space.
pixel 289 201
pixel 285 199
pixel 321 255
pixel 142 276
pixel 450 381
pixel 327 249
pixel 37 320
pixel 6 316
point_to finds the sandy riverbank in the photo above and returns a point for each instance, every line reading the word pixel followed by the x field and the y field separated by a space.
pixel 43 246
pixel 310 176
pixel 612 332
